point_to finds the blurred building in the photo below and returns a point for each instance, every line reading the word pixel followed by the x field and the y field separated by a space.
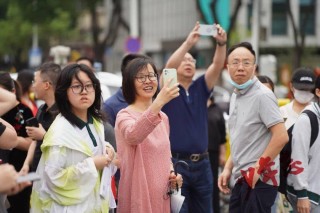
pixel 163 26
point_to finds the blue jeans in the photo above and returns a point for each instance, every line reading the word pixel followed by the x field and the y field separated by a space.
pixel 197 186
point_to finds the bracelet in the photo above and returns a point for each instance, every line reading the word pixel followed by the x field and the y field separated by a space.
pixel 221 44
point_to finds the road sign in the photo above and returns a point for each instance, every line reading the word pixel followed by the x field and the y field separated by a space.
pixel 35 57
pixel 133 45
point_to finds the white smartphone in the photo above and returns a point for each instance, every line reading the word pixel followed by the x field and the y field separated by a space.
pixel 169 73
pixel 207 30
pixel 32 176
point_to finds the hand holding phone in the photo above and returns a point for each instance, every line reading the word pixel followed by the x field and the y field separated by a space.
pixel 208 30
pixel 32 122
pixel 32 176
pixel 170 74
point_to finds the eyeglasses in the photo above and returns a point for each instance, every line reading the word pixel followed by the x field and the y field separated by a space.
pixel 245 63
pixel 192 60
pixel 77 89
pixel 143 78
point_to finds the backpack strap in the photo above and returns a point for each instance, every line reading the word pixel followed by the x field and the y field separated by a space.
pixel 314 125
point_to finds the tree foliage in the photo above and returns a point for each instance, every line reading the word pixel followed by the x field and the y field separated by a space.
pixel 299 33
pixel 57 24
pixel 54 19
pixel 102 40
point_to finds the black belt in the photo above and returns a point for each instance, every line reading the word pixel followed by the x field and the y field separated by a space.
pixel 192 157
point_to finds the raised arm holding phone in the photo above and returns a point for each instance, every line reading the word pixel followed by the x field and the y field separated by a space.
pixel 142 133
pixel 188 119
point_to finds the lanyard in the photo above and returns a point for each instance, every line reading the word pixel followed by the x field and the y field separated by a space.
pixel 91 135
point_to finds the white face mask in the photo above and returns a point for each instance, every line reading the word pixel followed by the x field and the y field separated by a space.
pixel 303 97
pixel 241 86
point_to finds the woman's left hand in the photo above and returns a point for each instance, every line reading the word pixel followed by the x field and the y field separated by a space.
pixel 175 180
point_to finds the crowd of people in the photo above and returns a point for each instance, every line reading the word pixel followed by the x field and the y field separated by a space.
pixel 126 153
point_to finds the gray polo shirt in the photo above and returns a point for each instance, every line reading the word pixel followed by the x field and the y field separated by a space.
pixel 252 112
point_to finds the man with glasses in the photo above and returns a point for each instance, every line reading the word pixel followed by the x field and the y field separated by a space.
pixel 257 135
pixel 44 83
pixel 189 123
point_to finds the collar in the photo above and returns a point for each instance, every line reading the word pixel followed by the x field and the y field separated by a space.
pixel 80 123
pixel 53 108
pixel 244 91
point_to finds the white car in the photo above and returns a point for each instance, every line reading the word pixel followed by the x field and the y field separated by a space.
pixel 110 83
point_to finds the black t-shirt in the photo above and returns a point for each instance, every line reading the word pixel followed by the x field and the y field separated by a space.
pixel 45 116
pixel 17 117
pixel 216 128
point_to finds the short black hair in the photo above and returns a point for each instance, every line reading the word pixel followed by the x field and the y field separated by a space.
pixel 6 81
pixel 49 71
pixel 246 45
pixel 86 58
pixel 64 82
pixel 266 80
pixel 25 78
pixel 126 59
pixel 10 84
pixel 128 86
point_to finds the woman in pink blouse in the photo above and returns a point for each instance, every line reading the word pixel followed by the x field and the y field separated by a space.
pixel 142 135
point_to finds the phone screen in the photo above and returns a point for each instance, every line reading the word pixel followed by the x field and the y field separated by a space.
pixel 207 30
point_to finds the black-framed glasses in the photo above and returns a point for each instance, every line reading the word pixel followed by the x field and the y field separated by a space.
pixel 77 89
pixel 143 78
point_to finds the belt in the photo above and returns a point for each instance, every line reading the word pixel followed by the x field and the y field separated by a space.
pixel 192 157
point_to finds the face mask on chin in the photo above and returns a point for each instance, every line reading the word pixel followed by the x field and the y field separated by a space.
pixel 241 86
pixel 303 97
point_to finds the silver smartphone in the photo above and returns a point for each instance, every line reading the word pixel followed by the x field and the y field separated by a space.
pixel 169 73
pixel 207 30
